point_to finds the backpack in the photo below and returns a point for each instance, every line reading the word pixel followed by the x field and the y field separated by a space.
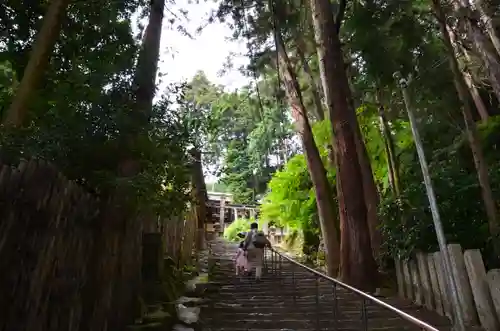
pixel 259 240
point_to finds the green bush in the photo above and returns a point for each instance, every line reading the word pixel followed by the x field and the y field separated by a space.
pixel 239 225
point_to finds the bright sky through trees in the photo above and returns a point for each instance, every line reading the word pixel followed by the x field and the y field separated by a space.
pixel 181 57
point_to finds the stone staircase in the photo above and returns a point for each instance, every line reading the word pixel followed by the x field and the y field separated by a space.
pixel 291 298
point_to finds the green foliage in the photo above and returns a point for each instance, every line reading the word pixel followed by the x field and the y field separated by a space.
pixel 408 225
pixel 237 226
pixel 238 131
pixel 291 199
pixel 80 118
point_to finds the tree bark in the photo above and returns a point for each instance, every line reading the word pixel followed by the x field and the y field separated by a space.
pixel 147 64
pixel 389 149
pixel 39 58
pixel 369 188
pixel 319 113
pixel 485 13
pixel 324 197
pixel 476 97
pixel 471 131
pixel 480 42
pixel 199 192
pixel 489 57
pixel 357 263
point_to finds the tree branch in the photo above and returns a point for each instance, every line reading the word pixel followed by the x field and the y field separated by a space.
pixel 340 15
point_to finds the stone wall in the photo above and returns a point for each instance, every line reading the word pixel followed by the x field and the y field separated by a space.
pixel 422 280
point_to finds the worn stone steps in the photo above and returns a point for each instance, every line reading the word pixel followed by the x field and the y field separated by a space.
pixel 258 324
pixel 340 328
pixel 285 300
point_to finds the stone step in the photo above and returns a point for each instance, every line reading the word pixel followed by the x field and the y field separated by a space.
pixel 311 310
pixel 341 328
pixel 290 313
pixel 253 324
pixel 268 301
pixel 270 282
pixel 298 295
pixel 284 314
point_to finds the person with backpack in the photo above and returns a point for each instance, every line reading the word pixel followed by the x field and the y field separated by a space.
pixel 254 245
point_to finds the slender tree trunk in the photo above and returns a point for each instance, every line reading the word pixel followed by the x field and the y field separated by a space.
pixel 39 58
pixel 147 64
pixel 144 89
pixel 478 101
pixel 319 113
pixel 481 43
pixel 489 57
pixel 200 196
pixel 476 97
pixel 324 197
pixel 472 134
pixel 357 263
pixel 390 151
pixel 485 13
pixel 390 166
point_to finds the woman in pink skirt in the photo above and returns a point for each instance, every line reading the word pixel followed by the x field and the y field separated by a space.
pixel 241 260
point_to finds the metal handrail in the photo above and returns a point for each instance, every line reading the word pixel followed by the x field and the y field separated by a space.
pixel 362 294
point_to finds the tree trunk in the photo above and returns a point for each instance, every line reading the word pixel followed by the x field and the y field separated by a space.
pixel 481 43
pixel 144 89
pixel 472 134
pixel 147 64
pixel 487 20
pixel 476 97
pixel 200 196
pixel 478 101
pixel 489 57
pixel 390 151
pixel 324 197
pixel 39 58
pixel 357 263
pixel 121 234
pixel 369 188
pixel 319 113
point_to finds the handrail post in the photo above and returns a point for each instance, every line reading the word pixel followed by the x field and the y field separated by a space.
pixel 274 263
pixel 318 327
pixel 293 283
pixel 281 271
pixel 266 250
pixel 335 315
pixel 364 316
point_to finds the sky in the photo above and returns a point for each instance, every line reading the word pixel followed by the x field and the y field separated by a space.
pixel 181 57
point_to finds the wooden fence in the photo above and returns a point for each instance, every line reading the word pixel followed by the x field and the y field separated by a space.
pixel 67 261
pixel 422 280
pixel 179 235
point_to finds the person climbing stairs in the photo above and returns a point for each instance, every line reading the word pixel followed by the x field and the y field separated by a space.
pixel 292 297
